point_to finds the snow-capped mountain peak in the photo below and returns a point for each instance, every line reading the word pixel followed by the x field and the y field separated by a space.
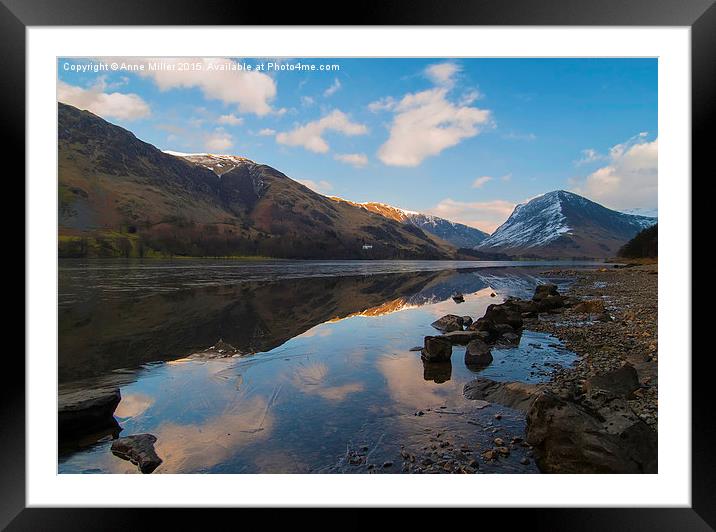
pixel 561 223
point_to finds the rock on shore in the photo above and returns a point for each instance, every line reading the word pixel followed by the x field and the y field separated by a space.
pixel 86 411
pixel 593 418
pixel 517 395
pixel 138 449
pixel 600 434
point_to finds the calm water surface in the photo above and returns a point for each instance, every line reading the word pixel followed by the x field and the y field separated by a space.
pixel 326 365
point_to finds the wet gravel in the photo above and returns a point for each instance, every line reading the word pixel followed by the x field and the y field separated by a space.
pixel 625 332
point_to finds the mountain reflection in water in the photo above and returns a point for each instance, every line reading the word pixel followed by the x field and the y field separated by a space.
pixel 326 360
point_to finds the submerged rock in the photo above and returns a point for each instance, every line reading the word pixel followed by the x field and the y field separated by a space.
pixel 436 349
pixel 478 354
pixel 448 323
pixel 517 395
pixel 463 337
pixel 87 411
pixel 138 449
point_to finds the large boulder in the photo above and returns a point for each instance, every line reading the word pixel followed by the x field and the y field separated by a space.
pixel 499 314
pixel 547 298
pixel 525 308
pixel 449 322
pixel 622 382
pixel 599 435
pixel 481 324
pixel 436 349
pixel 517 395
pixel 543 291
pixel 486 329
pixel 550 303
pixel 503 328
pixel 477 354
pixel 86 411
pixel 138 449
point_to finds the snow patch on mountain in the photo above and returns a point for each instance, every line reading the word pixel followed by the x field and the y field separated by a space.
pixel 535 223
pixel 219 164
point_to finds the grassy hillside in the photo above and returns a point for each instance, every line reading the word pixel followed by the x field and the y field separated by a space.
pixel 121 197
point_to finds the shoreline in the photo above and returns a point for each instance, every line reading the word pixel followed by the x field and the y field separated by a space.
pixel 600 414
pixel 630 335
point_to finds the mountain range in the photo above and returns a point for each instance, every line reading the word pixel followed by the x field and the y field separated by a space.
pixel 460 235
pixel 120 196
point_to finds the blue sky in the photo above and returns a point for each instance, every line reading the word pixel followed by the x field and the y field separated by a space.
pixel 466 139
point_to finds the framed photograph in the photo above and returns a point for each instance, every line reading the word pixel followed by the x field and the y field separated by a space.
pixel 405 260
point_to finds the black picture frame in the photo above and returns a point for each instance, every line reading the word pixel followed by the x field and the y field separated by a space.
pixel 699 15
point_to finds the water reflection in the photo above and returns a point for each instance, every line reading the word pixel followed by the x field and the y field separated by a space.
pixel 327 364
pixel 437 372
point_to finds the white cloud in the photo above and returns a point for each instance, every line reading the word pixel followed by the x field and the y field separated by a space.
pixel 335 87
pixel 267 132
pixel 358 160
pixel 630 179
pixel 469 97
pixel 310 135
pixel 384 104
pixel 230 120
pixel 426 123
pixel 307 101
pixel 107 105
pixel 218 141
pixel 484 215
pixel 589 156
pixel 217 78
pixel 322 187
pixel 481 181
pixel 442 73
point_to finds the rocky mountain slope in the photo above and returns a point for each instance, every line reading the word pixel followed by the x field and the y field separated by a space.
pixel 119 196
pixel 457 234
pixel 562 224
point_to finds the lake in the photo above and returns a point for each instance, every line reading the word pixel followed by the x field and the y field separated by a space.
pixel 325 372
